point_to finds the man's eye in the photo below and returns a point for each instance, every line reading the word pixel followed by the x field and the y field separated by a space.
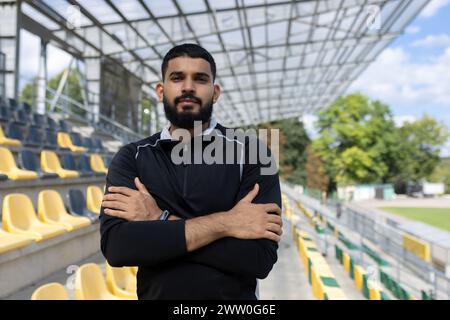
pixel 202 80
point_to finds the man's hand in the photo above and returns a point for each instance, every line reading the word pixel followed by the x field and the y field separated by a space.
pixel 247 220
pixel 131 205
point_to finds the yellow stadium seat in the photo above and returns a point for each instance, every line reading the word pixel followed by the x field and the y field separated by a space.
pixel 11 241
pixel 8 166
pixel 50 291
pixel 51 210
pixel 64 141
pixel 94 198
pixel 90 284
pixel 50 163
pixel 97 164
pixel 134 270
pixel 121 282
pixel 20 217
pixel 7 141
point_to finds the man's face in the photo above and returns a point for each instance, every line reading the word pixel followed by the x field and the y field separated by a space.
pixel 188 91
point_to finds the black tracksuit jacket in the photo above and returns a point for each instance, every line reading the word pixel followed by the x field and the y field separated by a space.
pixel 225 269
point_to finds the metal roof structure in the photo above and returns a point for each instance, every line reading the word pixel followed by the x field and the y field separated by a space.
pixel 275 59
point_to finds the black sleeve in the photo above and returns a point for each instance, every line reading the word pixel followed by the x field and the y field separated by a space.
pixel 134 243
pixel 254 258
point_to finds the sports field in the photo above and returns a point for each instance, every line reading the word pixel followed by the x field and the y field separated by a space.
pixel 437 217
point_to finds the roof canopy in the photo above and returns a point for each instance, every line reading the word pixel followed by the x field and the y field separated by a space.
pixel 275 59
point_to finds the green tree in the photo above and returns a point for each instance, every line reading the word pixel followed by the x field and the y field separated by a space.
pixel 356 140
pixel 419 148
pixel 315 171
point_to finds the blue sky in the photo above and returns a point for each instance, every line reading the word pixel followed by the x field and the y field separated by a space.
pixel 413 74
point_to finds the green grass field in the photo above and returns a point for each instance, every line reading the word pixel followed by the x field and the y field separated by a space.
pixel 436 217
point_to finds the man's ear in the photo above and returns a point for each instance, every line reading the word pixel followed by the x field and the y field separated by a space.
pixel 216 94
pixel 160 91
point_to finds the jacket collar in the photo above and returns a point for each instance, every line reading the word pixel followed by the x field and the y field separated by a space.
pixel 165 133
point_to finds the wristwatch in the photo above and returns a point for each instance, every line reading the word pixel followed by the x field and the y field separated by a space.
pixel 164 215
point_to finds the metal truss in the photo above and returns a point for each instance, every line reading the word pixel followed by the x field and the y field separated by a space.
pixel 274 59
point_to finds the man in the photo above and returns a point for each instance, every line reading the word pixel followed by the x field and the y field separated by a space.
pixel 196 231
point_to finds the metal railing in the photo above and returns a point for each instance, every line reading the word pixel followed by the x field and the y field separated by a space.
pixel 78 111
pixel 387 238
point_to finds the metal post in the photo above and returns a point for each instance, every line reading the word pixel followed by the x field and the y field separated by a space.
pixel 42 78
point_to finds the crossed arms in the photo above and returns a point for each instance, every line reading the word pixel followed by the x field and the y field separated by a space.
pixel 242 240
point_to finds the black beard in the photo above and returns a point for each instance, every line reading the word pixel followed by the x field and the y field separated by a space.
pixel 186 120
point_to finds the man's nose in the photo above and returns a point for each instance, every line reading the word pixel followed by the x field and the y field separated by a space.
pixel 188 86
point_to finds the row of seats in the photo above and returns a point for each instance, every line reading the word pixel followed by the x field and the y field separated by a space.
pixel 38 137
pixel 21 225
pixel 90 284
pixel 50 165
pixel 320 277
pixel 369 288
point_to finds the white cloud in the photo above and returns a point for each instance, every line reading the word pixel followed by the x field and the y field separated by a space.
pixel 400 120
pixel 445 150
pixel 433 7
pixel 405 84
pixel 438 40
pixel 308 122
pixel 412 30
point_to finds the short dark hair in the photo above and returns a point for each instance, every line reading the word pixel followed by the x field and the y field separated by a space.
pixel 191 50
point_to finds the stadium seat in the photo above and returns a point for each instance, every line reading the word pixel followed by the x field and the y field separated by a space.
pixel 77 204
pixel 68 162
pixel 13 103
pixel 5 114
pixel 108 160
pixel 8 166
pixel 14 131
pixel 33 138
pixel 22 117
pixel 50 140
pixel 88 143
pixel 11 241
pixel 90 284
pixel 39 120
pixel 20 217
pixel 99 145
pixel 51 124
pixel 134 270
pixel 50 291
pixel 85 165
pixel 51 210
pixel 29 161
pixel 26 107
pixel 94 196
pixel 50 163
pixel 65 142
pixel 64 126
pixel 7 141
pixel 97 164
pixel 121 282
